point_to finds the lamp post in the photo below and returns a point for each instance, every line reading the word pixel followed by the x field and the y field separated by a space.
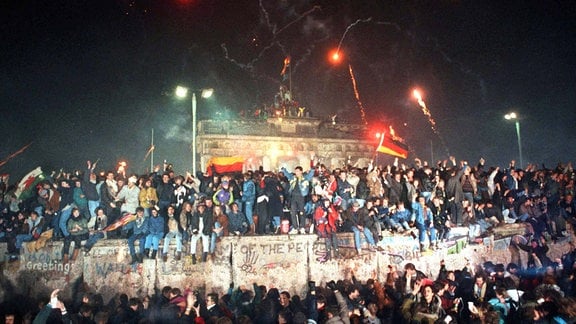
pixel 513 116
pixel 182 92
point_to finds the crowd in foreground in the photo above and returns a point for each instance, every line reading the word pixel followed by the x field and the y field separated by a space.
pixel 161 207
pixel 487 293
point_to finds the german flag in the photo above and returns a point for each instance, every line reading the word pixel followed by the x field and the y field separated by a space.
pixel 221 165
pixel 391 146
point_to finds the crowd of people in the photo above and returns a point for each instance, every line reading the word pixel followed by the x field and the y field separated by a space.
pixel 425 201
pixel 422 200
pixel 486 293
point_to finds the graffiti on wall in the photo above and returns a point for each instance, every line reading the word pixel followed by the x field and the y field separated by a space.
pixel 261 258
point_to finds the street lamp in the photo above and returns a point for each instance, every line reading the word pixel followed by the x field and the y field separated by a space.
pixel 513 116
pixel 182 92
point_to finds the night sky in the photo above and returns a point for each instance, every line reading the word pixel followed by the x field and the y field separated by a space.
pixel 87 80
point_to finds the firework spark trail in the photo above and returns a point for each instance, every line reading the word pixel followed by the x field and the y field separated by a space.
pixel 357 94
pixel 297 19
pixel 425 110
pixel 348 29
pixel 431 120
pixel 354 85
pixel 267 18
pixel 274 42
pixel 437 48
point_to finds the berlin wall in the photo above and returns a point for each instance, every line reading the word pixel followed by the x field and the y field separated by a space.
pixel 286 262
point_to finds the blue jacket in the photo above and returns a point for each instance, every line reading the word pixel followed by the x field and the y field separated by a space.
pixel 138 227
pixel 248 191
pixel 304 184
pixel 310 207
pixel 418 214
pixel 401 215
pixel 156 225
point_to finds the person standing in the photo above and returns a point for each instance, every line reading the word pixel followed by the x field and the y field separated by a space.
pixel 66 205
pixel 89 182
pixel 248 197
pixel 424 220
pixel 165 191
pixel 299 189
pixel 148 197
pixel 325 219
pixel 108 192
pixel 219 228
pixel 80 199
pixel 129 195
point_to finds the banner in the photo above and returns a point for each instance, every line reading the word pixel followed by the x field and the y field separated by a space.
pixel 222 165
pixel 390 146
pixel 27 185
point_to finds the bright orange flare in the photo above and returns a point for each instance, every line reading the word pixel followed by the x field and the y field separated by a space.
pixel 335 56
pixel 417 95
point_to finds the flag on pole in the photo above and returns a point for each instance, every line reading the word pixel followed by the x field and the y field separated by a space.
pixel 28 184
pixel 391 146
pixel 11 156
pixel 222 165
pixel 286 65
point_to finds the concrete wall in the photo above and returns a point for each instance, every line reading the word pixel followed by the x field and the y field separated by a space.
pixel 287 262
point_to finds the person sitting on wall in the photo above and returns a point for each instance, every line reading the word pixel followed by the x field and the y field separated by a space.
pixel 139 229
pixel 77 226
pixel 96 227
pixel 173 233
pixel 35 224
pixel 201 229
pixel 156 225
pixel 358 219
pixel 237 221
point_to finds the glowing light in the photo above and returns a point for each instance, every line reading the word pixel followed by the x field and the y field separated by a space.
pixel 207 93
pixel 510 116
pixel 425 110
pixel 417 95
pixel 181 92
pixel 335 56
